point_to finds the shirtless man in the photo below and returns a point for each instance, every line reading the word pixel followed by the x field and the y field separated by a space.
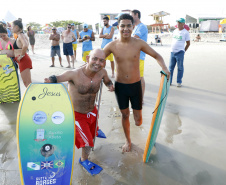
pixel 126 51
pixel 55 46
pixel 68 36
pixel 84 83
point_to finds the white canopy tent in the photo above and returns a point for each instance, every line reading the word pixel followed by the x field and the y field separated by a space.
pixel 9 17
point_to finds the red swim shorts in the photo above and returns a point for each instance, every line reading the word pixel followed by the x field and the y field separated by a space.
pixel 25 63
pixel 85 128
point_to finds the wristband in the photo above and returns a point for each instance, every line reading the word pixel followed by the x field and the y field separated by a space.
pixel 53 79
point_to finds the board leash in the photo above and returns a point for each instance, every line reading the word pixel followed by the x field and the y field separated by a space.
pixel 165 94
pixel 98 97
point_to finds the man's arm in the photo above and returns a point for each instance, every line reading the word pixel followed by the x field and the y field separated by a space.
pixel 92 37
pixel 66 76
pixel 57 37
pixel 101 34
pixel 107 49
pixel 187 45
pixel 73 36
pixel 77 34
pixel 108 82
pixel 148 50
pixel 51 37
pixel 62 36
pixel 111 34
pixel 80 38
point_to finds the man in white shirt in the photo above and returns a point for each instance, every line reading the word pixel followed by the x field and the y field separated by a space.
pixel 178 49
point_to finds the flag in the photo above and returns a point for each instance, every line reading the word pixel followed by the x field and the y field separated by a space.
pixel 33 166
pixel 46 164
pixel 59 163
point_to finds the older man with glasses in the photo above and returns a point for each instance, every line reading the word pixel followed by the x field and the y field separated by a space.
pixel 55 46
pixel 68 36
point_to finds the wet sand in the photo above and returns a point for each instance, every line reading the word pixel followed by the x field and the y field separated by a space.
pixel 190 148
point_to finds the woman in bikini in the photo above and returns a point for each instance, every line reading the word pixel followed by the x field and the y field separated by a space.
pixel 20 47
pixel 6 43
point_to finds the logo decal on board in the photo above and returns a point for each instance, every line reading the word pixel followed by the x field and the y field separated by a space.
pixel 46 165
pixel 40 135
pixel 6 68
pixel 33 166
pixel 59 163
pixel 58 117
pixel 39 117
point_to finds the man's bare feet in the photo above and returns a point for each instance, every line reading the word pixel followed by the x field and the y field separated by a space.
pixel 112 76
pixel 126 147
pixel 68 67
pixel 52 65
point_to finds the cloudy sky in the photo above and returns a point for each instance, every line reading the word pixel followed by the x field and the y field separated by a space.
pixel 44 11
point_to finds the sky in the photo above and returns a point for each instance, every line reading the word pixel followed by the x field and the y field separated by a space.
pixel 88 11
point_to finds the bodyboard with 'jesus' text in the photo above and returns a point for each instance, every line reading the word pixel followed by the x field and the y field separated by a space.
pixel 46 135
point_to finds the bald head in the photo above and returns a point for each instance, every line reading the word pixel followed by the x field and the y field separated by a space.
pixel 96 58
pixel 99 52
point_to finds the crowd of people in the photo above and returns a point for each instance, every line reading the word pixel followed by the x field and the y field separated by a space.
pixel 127 54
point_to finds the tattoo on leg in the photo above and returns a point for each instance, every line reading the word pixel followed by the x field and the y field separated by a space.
pixel 87 150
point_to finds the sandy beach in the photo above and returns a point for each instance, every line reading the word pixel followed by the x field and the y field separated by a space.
pixel 190 148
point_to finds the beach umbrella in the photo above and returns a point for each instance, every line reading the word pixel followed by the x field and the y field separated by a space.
pixel 60 30
pixel 47 30
pixel 185 26
pixel 223 21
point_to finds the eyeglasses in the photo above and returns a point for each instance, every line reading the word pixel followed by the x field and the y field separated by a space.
pixel 100 59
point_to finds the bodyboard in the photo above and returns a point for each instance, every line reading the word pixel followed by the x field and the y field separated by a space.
pixel 9 81
pixel 157 116
pixel 46 135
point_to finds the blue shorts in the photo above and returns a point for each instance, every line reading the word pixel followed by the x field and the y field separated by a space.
pixel 55 50
pixel 68 49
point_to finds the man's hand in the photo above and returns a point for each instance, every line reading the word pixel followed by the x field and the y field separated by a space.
pixel 47 80
pixel 111 88
pixel 167 73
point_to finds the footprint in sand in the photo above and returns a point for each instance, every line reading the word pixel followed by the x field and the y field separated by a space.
pixel 172 126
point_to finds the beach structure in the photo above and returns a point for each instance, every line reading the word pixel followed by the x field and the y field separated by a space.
pixel 158 26
pixel 210 24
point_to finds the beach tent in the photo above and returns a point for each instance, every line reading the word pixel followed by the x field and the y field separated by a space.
pixel 223 21
pixel 9 17
pixel 209 25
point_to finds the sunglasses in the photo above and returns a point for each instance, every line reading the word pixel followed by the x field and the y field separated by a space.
pixel 69 27
pixel 53 29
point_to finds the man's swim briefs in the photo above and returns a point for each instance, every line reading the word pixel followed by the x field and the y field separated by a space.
pixel 126 92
